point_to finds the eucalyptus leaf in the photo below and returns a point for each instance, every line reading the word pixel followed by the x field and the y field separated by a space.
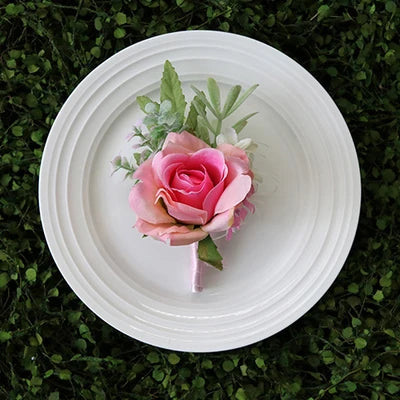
pixel 165 106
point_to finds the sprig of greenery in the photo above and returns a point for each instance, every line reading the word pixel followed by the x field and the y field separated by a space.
pixel 213 104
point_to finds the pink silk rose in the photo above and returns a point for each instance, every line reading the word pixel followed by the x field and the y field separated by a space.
pixel 188 189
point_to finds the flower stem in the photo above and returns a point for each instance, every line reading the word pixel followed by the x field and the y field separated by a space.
pixel 219 125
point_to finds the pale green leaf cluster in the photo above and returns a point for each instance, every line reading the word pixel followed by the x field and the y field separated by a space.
pixel 212 103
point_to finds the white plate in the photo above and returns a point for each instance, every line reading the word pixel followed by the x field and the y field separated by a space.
pixel 279 264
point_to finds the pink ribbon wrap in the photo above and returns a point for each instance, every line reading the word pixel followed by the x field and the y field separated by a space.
pixel 197 267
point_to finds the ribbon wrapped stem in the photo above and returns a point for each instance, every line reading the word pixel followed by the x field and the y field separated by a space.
pixel 197 267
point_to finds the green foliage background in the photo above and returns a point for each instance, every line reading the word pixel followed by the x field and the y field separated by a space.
pixel 53 347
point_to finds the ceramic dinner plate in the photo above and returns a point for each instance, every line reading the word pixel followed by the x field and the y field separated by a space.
pixel 282 260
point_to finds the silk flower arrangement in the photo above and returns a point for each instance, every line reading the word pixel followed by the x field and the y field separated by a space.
pixel 192 179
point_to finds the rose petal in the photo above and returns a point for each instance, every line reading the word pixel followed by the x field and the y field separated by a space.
pixel 188 180
pixel 236 167
pixel 211 200
pixel 233 152
pixel 220 222
pixel 196 195
pixel 143 197
pixel 164 166
pixel 234 193
pixel 175 235
pixel 181 239
pixel 213 160
pixel 182 212
pixel 186 140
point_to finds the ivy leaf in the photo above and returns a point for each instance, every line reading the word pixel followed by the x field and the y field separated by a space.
pixel 209 253
pixel 171 90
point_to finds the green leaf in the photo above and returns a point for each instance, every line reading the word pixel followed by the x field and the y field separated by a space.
pixel 53 292
pixel 353 288
pixel 5 336
pixel 347 332
pixel 171 89
pixel 202 98
pixel 202 130
pixel 74 316
pixel 95 51
pixel 240 394
pixel 228 366
pixel 323 12
pixel 30 274
pixel 381 224
pixel 202 117
pixel 33 68
pixel 208 253
pixel 378 296
pixel 64 374
pixel 207 364
pixel 360 343
pixel 98 24
pixel 119 33
pixel 173 358
pixel 191 120
pixel 242 122
pixel 54 396
pixel 56 358
pixel 4 279
pixel 350 386
pixel 17 130
pixel 390 6
pixel 230 99
pixel 260 362
pixel 198 382
pixel 392 388
pixel 48 373
pixel 361 75
pixel 120 18
pixel 158 375
pixel 242 99
pixel 214 93
pixel 153 357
